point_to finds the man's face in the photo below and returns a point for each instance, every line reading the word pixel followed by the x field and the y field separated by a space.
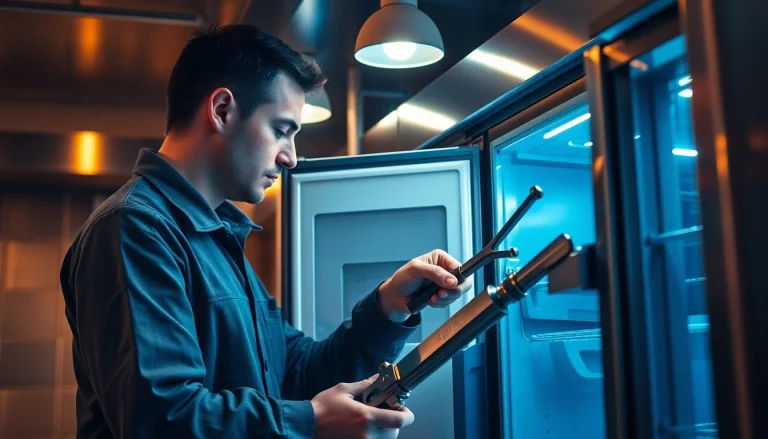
pixel 259 147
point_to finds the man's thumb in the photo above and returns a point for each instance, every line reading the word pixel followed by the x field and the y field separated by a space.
pixel 357 388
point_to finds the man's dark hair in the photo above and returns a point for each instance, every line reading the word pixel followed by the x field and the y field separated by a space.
pixel 241 57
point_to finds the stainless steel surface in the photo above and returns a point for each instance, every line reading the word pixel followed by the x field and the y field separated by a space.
pixel 543 35
pixel 628 14
pixel 575 273
pixel 469 322
pixel 116 65
pixel 354 104
pixel 86 73
pixel 665 24
pixel 726 46
pixel 606 270
pixel 32 157
pixel 540 265
pixel 147 16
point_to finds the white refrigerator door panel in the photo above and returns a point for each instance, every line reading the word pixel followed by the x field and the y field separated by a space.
pixel 351 229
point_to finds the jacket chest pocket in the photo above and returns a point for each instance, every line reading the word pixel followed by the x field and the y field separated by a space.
pixel 274 337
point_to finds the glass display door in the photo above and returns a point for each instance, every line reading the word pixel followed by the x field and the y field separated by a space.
pixel 649 242
pixel 670 224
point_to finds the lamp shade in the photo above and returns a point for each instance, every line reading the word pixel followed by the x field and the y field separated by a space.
pixel 399 36
pixel 317 107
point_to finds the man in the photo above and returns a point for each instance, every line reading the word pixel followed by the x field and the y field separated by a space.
pixel 174 336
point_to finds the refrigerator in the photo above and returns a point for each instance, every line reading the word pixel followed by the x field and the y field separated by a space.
pixel 351 222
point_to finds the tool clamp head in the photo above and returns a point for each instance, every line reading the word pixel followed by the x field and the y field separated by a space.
pixel 386 392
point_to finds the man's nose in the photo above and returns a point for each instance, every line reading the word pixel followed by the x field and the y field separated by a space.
pixel 287 157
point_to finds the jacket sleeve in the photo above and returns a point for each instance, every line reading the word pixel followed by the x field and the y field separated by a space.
pixel 351 353
pixel 137 341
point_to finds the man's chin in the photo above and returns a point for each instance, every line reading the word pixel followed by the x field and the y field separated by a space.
pixel 251 197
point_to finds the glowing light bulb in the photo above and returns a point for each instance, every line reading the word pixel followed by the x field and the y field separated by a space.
pixel 314 113
pixel 399 51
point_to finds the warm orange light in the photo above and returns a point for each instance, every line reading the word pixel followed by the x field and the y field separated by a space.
pixel 89 32
pixel 721 156
pixel 597 166
pixel 617 54
pixel 274 189
pixel 545 30
pixel 88 147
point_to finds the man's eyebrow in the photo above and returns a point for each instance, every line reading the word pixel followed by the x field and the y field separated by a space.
pixel 288 121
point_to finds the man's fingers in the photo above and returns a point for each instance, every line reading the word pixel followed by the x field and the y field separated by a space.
pixel 442 259
pixel 442 303
pixel 434 273
pixel 438 304
pixel 355 389
pixel 385 418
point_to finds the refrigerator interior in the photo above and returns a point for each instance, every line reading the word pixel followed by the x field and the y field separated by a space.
pixel 553 378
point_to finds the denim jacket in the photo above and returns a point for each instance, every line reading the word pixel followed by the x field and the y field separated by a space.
pixel 174 336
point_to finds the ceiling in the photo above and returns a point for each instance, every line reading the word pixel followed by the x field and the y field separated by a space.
pixel 523 53
pixel 62 71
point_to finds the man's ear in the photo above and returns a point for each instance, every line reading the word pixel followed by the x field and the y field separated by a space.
pixel 222 110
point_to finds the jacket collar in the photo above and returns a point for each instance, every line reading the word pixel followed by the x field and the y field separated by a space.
pixel 180 192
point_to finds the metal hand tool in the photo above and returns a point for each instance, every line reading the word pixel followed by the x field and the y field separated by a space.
pixel 420 299
pixel 395 381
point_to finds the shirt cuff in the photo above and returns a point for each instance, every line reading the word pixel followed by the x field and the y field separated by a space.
pixel 377 330
pixel 412 321
pixel 298 419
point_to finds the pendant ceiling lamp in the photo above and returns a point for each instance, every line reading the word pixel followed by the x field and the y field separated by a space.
pixel 399 36
pixel 317 107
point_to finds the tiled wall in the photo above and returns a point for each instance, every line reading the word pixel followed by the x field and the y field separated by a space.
pixel 37 384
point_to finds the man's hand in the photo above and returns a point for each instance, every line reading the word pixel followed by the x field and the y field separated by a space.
pixel 339 416
pixel 432 267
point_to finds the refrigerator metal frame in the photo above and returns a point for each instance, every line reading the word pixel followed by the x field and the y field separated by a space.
pixel 619 255
pixel 730 119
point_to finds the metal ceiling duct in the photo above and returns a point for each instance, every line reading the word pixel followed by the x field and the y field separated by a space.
pixel 545 34
pixel 76 9
pixel 77 157
pixel 538 39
